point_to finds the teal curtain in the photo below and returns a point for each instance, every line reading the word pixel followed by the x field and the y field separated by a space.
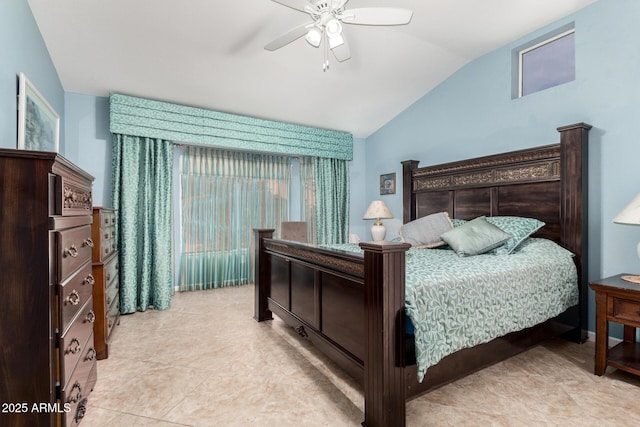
pixel 332 200
pixel 142 169
pixel 225 195
pixel 130 115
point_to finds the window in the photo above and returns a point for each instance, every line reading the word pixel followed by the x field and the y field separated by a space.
pixel 547 63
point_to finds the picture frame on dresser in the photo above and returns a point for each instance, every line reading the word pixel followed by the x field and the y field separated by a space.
pixel 38 121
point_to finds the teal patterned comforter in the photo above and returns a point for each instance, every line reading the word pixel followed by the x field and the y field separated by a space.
pixel 458 302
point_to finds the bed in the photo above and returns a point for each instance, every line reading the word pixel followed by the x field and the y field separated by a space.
pixel 353 305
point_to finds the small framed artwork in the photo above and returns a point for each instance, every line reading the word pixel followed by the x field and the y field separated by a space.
pixel 388 183
pixel 38 122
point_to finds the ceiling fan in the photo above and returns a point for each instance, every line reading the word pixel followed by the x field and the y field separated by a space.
pixel 327 17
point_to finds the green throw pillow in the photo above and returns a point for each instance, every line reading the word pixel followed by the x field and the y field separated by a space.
pixel 475 237
pixel 519 227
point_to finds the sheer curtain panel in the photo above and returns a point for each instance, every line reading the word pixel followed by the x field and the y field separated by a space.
pixel 308 195
pixel 225 195
pixel 142 169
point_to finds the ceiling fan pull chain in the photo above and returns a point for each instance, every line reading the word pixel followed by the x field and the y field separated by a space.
pixel 325 62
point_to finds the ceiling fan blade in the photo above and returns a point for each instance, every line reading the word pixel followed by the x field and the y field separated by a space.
pixel 342 52
pixel 289 36
pixel 338 4
pixel 294 4
pixel 377 16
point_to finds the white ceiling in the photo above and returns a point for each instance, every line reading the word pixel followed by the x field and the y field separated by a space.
pixel 209 53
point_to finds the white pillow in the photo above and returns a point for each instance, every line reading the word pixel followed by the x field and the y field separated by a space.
pixel 425 232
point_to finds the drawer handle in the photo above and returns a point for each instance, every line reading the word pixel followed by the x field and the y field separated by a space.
pixel 113 234
pixel 106 235
pixel 74 346
pixel 74 297
pixel 72 398
pixel 108 276
pixel 91 354
pixel 81 410
pixel 90 317
pixel 113 220
pixel 108 301
pixel 88 242
pixel 89 280
pixel 106 250
pixel 72 251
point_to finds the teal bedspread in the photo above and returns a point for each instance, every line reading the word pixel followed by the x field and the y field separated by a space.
pixel 458 302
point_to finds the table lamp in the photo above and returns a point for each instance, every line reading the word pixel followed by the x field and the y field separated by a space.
pixel 630 215
pixel 377 209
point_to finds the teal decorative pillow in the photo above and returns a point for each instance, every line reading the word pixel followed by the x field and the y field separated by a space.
pixel 458 222
pixel 475 237
pixel 425 232
pixel 519 227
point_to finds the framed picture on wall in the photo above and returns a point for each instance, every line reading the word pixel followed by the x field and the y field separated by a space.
pixel 388 183
pixel 38 122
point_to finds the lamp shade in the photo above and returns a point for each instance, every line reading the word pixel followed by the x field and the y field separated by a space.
pixel 377 209
pixel 630 214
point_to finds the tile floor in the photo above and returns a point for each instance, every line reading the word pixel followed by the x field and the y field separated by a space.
pixel 206 362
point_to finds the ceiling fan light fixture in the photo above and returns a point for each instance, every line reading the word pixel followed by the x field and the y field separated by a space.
pixel 333 28
pixel 314 37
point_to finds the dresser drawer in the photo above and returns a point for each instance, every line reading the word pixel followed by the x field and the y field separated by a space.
pixel 107 218
pixel 112 269
pixel 70 195
pixel 112 315
pixel 79 386
pixel 105 240
pixel 73 248
pixel 113 291
pixel 103 233
pixel 72 343
pixel 74 293
pixel 624 309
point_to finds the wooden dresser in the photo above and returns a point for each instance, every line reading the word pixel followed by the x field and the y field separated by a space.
pixel 47 357
pixel 106 291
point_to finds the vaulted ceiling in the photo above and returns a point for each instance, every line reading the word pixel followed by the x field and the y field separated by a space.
pixel 210 54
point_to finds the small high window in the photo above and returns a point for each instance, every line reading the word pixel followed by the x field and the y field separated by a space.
pixel 548 63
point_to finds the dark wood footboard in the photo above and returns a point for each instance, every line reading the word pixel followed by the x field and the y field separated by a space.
pixel 323 296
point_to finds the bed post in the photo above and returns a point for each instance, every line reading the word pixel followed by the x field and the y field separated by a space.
pixel 262 276
pixel 384 378
pixel 408 196
pixel 574 141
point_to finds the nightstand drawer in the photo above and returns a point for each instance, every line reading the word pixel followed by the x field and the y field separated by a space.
pixel 624 309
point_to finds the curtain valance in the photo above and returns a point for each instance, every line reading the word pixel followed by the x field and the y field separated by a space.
pixel 155 119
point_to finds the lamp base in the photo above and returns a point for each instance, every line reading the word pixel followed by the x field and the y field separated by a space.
pixel 632 279
pixel 378 231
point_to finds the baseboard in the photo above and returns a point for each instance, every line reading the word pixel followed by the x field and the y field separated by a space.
pixel 591 336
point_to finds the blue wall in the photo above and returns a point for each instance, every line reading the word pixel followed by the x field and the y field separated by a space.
pixel 22 49
pixel 89 141
pixel 472 113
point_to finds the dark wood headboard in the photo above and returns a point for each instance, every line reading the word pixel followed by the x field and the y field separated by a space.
pixel 548 183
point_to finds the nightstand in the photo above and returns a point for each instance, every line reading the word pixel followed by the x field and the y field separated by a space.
pixel 617 301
